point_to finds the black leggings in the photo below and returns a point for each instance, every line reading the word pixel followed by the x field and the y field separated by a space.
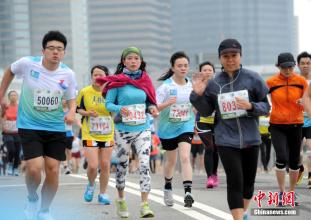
pixel 211 158
pixel 240 167
pixel 13 144
pixel 265 149
pixel 286 140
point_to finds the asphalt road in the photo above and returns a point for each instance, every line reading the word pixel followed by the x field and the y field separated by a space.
pixel 209 203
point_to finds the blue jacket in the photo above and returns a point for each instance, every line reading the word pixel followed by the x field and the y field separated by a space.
pixel 239 132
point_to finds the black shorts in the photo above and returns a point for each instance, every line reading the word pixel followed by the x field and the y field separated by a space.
pixel 99 144
pixel 37 143
pixel 172 144
pixel 197 149
pixel 306 132
pixel 69 141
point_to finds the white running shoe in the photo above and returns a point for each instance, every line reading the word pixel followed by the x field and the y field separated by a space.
pixel 31 209
pixel 168 197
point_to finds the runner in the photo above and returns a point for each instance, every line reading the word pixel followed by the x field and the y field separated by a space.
pixel 304 65
pixel 69 138
pixel 97 135
pixel 238 96
pixel 286 89
pixel 205 125
pixel 176 125
pixel 40 119
pixel 10 136
pixel 129 94
pixel 265 146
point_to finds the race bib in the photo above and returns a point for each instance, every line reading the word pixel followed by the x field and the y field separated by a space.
pixel 100 125
pixel 136 116
pixel 47 100
pixel 228 106
pixel 9 126
pixel 179 112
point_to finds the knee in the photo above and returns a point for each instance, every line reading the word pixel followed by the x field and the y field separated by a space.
pixel 33 170
pixel 105 164
pixel 280 164
pixel 92 166
pixel 184 159
pixel 248 191
pixel 52 170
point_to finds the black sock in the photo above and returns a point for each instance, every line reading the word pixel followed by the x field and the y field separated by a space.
pixel 168 183
pixel 187 186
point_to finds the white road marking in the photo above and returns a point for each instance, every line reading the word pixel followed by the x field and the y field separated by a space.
pixel 154 196
pixel 206 208
pixel 24 185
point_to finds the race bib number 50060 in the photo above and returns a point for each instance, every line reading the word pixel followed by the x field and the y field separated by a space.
pixel 228 106
pixel 47 100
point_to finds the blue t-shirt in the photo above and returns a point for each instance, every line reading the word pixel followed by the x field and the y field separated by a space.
pixel 127 96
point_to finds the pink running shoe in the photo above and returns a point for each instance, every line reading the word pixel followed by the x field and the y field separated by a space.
pixel 210 182
pixel 216 180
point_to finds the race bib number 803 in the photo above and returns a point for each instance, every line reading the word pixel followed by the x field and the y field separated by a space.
pixel 228 106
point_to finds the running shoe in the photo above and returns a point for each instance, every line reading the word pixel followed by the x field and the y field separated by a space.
pixel 44 215
pixel 31 209
pixel 188 200
pixel 89 193
pixel 9 169
pixel 122 210
pixel 85 164
pixel 300 174
pixel 67 170
pixel 210 182
pixel 16 172
pixel 309 183
pixel 245 217
pixel 145 211
pixel 168 197
pixel 297 203
pixel 216 181
pixel 104 199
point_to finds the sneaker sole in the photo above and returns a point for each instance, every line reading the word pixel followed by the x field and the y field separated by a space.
pixel 104 203
pixel 188 202
pixel 147 215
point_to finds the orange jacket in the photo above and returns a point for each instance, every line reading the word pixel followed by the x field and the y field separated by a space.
pixel 285 92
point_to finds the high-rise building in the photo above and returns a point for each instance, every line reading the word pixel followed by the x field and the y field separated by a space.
pixel 264 27
pixel 115 25
pixel 14 30
pixel 69 17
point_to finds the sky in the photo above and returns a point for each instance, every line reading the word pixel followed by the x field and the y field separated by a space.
pixel 302 9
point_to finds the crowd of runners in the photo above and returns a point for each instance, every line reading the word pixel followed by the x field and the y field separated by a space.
pixel 232 114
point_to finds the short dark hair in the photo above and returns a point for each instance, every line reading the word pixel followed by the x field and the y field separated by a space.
pixel 303 54
pixel 206 63
pixel 12 91
pixel 54 35
pixel 101 67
